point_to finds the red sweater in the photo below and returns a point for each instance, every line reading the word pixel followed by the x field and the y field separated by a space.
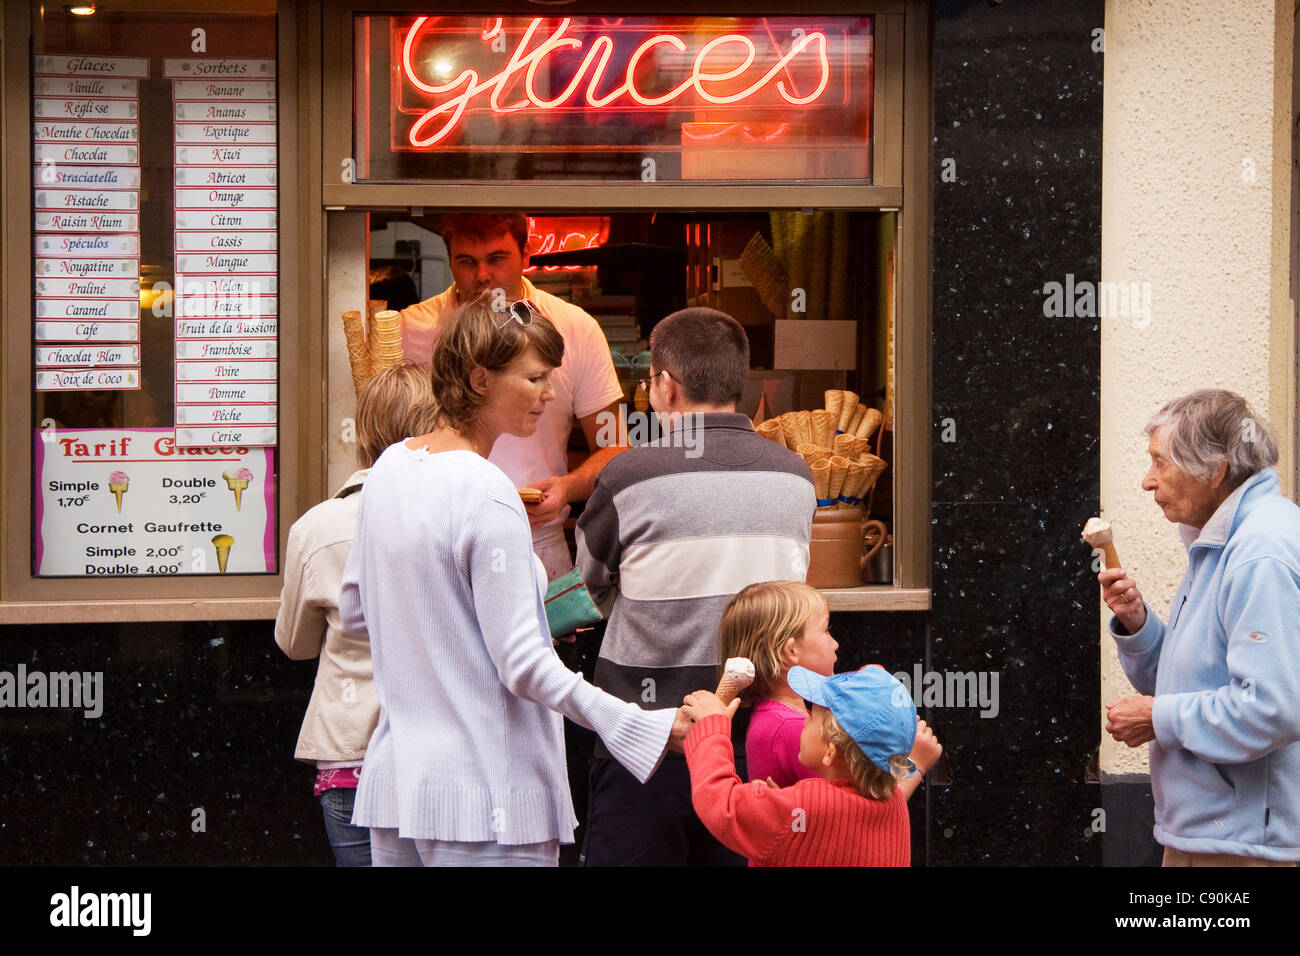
pixel 816 822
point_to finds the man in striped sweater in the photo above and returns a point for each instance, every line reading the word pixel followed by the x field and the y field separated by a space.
pixel 674 529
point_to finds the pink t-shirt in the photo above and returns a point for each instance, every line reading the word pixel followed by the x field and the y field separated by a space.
pixel 772 744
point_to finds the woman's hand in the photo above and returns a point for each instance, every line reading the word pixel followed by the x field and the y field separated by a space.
pixel 1128 720
pixel 1123 598
pixel 703 703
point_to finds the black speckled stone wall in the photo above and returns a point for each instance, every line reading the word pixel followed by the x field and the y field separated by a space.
pixel 206 715
pixel 1017 111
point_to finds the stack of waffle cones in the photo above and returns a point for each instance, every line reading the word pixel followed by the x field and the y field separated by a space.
pixel 843 470
pixel 373 345
pixel 385 340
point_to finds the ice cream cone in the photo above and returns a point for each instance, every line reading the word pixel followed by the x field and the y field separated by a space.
pixel 237 481
pixel 358 354
pixel 823 427
pixel 858 413
pixel 812 452
pixel 821 472
pixel 875 467
pixel 839 471
pixel 1100 535
pixel 851 491
pixel 771 430
pixel 117 484
pixel 848 409
pixel 222 543
pixel 835 404
pixel 737 674
pixel 803 426
pixel 870 422
pixel 789 431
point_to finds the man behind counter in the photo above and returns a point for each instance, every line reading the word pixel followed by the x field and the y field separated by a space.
pixel 489 251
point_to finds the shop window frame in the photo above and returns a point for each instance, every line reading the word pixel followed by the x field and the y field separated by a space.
pixel 900 167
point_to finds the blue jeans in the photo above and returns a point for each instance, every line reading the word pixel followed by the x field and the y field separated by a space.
pixel 351 845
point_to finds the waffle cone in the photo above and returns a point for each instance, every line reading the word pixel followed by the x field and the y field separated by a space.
pixel 823 427
pixel 387 347
pixel 812 452
pixel 765 272
pixel 875 467
pixel 859 412
pixel 839 471
pixel 771 430
pixel 848 408
pixel 834 404
pixel 821 472
pixel 854 481
pixel 730 687
pixel 358 355
pixel 802 427
pixel 789 431
pixel 870 422
pixel 222 544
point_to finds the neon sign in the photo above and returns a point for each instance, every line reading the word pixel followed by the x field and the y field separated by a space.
pixel 565 234
pixel 726 70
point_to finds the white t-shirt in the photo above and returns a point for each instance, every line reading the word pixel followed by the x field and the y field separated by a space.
pixel 584 383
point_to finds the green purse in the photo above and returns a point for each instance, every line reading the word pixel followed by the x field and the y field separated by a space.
pixel 569 605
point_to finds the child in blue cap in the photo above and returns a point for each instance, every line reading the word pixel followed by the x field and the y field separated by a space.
pixel 858 736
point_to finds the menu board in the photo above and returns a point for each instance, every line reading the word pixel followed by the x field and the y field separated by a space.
pixel 227 316
pixel 122 502
pixel 155 296
pixel 86 199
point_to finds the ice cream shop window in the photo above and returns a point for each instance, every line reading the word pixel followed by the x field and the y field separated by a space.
pixel 155 294
pixel 758 163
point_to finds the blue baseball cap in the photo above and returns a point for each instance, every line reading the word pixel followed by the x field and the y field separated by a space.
pixel 872 706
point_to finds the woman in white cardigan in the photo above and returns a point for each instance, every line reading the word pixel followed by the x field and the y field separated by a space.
pixel 466 766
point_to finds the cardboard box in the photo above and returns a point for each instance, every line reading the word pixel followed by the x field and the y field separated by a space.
pixel 815 344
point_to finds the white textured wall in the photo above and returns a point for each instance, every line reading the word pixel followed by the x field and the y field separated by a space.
pixel 1190 204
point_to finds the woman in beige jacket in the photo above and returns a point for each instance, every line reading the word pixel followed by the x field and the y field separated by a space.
pixel 394 404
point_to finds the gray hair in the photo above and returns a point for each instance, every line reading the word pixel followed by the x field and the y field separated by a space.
pixel 1210 426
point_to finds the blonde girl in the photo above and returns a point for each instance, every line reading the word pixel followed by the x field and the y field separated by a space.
pixel 777 624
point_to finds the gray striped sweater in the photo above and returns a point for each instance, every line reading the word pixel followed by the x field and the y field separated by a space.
pixel 672 531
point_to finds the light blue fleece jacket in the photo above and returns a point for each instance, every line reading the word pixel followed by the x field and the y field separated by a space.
pixel 1225 673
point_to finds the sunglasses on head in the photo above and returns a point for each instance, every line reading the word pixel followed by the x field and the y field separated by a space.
pixel 521 311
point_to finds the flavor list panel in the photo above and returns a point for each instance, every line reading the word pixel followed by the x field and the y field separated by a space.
pixel 86 180
pixel 227 260
pixel 122 502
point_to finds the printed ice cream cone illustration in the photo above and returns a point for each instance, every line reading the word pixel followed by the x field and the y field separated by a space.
pixel 222 543
pixel 737 674
pixel 117 483
pixel 237 481
pixel 1099 534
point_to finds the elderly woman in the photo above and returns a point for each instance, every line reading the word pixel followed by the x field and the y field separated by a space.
pixel 466 766
pixel 1220 682
pixel 341 715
